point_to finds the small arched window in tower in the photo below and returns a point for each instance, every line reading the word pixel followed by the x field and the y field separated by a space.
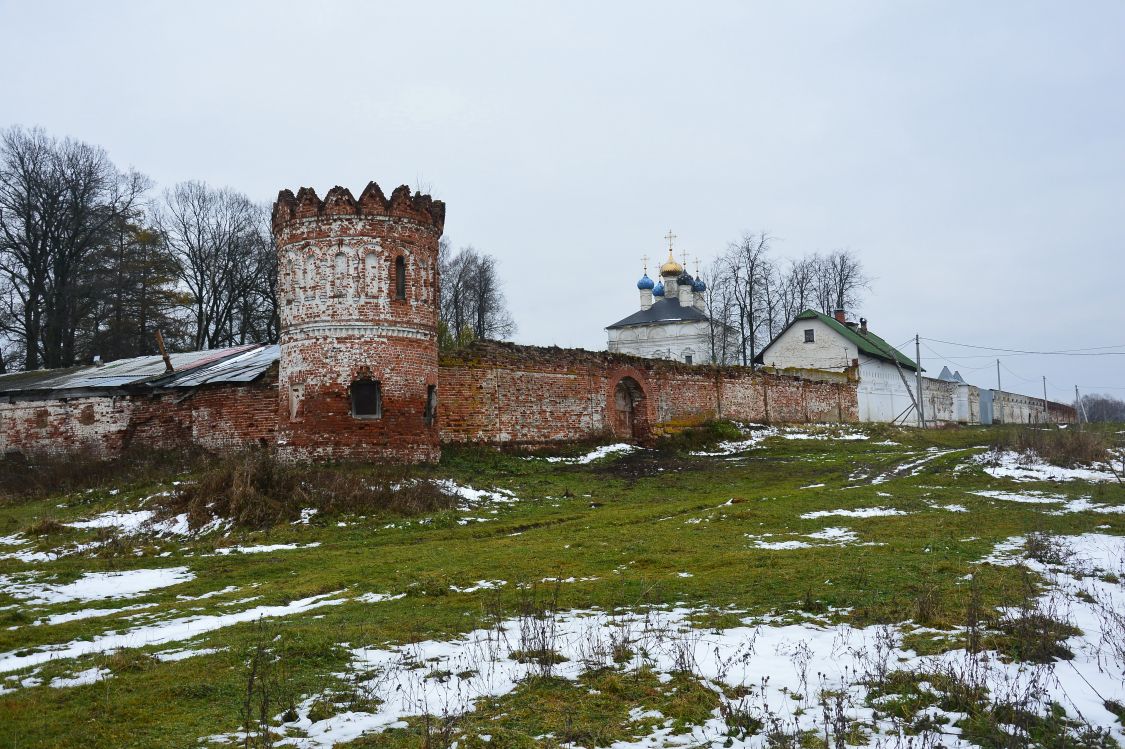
pixel 400 277
pixel 367 399
pixel 430 414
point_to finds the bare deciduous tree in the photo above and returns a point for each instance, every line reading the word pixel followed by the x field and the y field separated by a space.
pixel 756 297
pixel 472 301
pixel 840 279
pixel 59 202
pixel 225 263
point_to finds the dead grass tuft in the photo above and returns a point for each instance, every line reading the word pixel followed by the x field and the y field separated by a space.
pixel 1067 448
pixel 253 489
pixel 45 527
pixel 31 477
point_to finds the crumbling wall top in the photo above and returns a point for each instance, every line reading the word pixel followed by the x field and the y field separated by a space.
pixel 306 204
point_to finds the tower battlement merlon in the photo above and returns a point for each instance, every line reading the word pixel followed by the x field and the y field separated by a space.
pixel 339 201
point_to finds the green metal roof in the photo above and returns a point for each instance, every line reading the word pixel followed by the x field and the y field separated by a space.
pixel 869 344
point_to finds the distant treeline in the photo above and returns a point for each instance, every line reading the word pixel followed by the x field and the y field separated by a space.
pixel 1101 408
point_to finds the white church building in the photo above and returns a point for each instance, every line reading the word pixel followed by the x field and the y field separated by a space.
pixel 671 323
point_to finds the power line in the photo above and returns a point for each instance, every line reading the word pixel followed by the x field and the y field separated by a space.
pixel 956 363
pixel 1092 351
pixel 1017 376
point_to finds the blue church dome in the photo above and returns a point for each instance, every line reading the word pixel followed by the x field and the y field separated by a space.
pixel 685 279
pixel 658 290
pixel 699 286
pixel 645 282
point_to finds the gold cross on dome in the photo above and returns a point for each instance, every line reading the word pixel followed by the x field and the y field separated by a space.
pixel 645 261
pixel 671 238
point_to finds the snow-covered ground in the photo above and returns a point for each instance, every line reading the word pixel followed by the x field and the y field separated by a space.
pixel 175 630
pixel 1016 466
pixel 782 670
pixel 93 586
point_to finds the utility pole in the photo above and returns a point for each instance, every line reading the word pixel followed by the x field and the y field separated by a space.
pixel 918 363
pixel 1046 408
pixel 1077 405
pixel 1082 405
pixel 998 375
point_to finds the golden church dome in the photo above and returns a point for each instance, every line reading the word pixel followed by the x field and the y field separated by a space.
pixel 671 268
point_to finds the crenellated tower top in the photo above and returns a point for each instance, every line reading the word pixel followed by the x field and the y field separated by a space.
pixel 372 203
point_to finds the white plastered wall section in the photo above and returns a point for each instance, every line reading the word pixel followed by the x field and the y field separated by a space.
pixel 882 395
pixel 828 349
pixel 664 341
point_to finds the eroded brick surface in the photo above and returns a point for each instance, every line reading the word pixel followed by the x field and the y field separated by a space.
pixel 347 317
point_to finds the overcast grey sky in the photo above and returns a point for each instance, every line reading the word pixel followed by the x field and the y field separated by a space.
pixel 971 153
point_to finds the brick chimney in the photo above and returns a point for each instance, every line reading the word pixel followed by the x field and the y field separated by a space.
pixel 840 316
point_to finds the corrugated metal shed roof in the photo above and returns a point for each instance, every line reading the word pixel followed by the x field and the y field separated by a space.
pixel 135 371
pixel 243 367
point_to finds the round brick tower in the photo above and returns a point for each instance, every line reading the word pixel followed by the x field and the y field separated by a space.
pixel 358 292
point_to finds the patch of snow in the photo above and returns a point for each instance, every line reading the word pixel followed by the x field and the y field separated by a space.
pixel 126 522
pixel 171 656
pixel 210 594
pixel 174 630
pixel 475 497
pixel 801 660
pixel 306 516
pixel 1030 467
pixel 97 586
pixel 89 676
pixel 779 545
pixel 378 597
pixel 794 433
pixel 1029 497
pixel 73 616
pixel 866 512
pixel 753 440
pixel 620 448
pixel 835 535
pixel 479 585
pixel 264 549
pixel 813 486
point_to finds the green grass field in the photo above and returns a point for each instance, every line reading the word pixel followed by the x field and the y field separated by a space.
pixel 649 530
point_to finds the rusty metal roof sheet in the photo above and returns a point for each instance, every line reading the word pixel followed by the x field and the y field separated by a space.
pixel 243 367
pixel 134 371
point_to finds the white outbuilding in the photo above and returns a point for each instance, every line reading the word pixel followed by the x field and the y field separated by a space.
pixel 887 377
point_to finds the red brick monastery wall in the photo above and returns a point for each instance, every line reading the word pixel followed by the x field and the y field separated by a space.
pixel 490 393
pixel 500 393
pixel 218 417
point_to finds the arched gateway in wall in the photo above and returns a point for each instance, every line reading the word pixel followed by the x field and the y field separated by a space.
pixel 629 409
